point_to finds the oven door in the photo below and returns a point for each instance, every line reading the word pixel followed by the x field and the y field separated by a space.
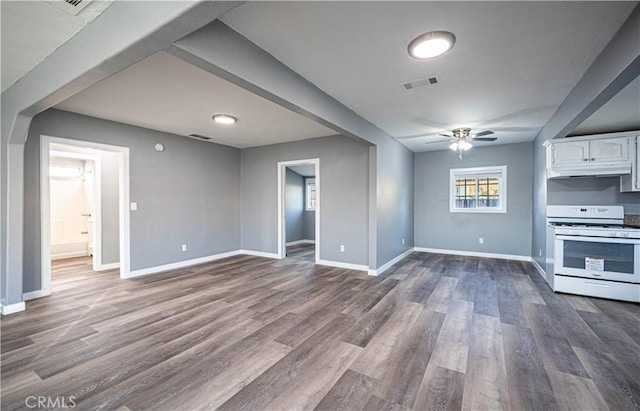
pixel 615 259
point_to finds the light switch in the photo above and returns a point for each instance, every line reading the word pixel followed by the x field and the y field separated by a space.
pixel 134 206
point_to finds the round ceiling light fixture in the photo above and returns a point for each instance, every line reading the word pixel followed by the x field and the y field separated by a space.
pixel 431 44
pixel 224 119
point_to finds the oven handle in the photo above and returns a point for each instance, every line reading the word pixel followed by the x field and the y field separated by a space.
pixel 617 240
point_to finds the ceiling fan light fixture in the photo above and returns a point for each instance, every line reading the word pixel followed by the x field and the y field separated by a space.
pixel 460 145
pixel 431 44
pixel 224 119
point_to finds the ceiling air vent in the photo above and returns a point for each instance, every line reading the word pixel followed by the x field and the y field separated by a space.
pixel 199 136
pixel 430 80
pixel 72 7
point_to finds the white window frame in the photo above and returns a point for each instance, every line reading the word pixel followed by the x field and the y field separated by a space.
pixel 478 172
pixel 308 182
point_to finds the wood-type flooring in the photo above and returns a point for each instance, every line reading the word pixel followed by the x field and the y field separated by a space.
pixel 435 332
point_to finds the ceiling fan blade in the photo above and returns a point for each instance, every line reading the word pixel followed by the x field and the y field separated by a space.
pixel 483 133
pixel 484 139
pixel 445 135
pixel 434 142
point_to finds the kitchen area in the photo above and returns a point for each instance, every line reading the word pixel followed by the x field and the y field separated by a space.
pixel 593 216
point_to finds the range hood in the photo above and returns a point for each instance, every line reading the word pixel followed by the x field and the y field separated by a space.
pixel 589 170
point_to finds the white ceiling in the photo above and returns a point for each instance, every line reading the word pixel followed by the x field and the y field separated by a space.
pixel 512 65
pixel 164 93
pixel 31 30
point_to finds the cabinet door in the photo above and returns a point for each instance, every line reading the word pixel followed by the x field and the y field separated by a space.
pixel 570 152
pixel 609 149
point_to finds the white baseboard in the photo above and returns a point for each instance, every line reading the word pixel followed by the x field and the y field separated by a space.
pixel 387 265
pixel 259 254
pixel 12 308
pixel 300 242
pixel 181 264
pixel 474 254
pixel 339 264
pixel 70 254
pixel 540 270
pixel 36 294
pixel 105 267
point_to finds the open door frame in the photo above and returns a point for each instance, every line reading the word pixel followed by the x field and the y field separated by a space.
pixel 45 214
pixel 282 165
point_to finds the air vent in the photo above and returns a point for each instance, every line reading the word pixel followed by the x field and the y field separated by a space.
pixel 199 136
pixel 72 7
pixel 430 80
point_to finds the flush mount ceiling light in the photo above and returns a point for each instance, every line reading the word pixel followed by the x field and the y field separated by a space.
pixel 224 119
pixel 431 44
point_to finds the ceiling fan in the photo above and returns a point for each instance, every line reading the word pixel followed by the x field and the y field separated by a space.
pixel 462 137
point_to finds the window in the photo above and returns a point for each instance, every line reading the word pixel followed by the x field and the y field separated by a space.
pixel 478 190
pixel 310 197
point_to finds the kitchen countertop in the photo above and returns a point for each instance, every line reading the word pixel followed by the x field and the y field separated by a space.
pixel 632 220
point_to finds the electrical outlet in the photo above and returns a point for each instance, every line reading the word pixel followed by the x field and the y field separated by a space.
pixel 342 248
pixel 134 206
pixel 403 241
pixel 481 240
pixel 540 252
pixel 184 247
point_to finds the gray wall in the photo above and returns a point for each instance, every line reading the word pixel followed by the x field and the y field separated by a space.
pixel 294 206
pixel 110 185
pixel 190 193
pixel 539 223
pixel 343 188
pixel 591 191
pixel 436 227
pixel 395 200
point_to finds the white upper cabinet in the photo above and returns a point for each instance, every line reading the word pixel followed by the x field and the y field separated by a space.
pixel 609 149
pixel 570 152
pixel 605 150
pixel 597 155
pixel 632 182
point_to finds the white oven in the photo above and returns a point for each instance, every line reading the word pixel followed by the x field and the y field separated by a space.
pixel 597 254
pixel 590 251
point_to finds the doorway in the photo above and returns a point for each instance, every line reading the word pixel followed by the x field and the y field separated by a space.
pixel 75 197
pixel 84 206
pixel 299 208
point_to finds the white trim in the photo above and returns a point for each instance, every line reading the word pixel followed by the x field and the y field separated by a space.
pixel 474 254
pixel 35 294
pixel 339 264
pixel 181 264
pixel 45 216
pixel 282 165
pixel 537 266
pixel 260 254
pixel 104 267
pixel 300 242
pixel 386 266
pixel 12 308
pixel 70 254
pixel 501 171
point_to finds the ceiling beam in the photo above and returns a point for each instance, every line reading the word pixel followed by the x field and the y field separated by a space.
pixel 614 68
pixel 220 50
